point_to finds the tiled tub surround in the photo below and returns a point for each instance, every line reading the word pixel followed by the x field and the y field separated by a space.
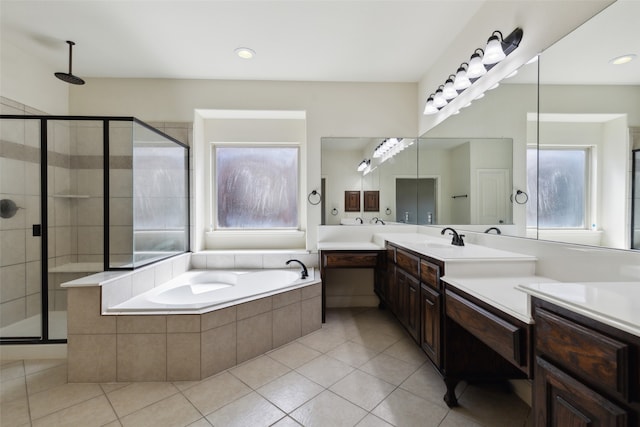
pixel 178 347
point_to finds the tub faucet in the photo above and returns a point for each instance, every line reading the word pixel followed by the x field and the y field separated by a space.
pixel 304 273
pixel 493 228
pixel 359 220
pixel 378 220
pixel 457 238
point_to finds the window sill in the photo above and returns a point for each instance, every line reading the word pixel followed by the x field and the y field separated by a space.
pixel 255 239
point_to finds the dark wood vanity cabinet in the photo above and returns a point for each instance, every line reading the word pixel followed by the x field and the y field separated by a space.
pixel 465 338
pixel 586 372
pixel 481 342
pixel 412 292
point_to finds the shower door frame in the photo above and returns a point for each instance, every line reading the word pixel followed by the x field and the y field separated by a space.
pixel 44 222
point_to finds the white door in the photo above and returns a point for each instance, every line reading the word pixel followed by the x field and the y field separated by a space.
pixel 492 197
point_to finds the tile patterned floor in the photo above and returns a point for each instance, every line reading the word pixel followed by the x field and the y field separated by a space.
pixel 359 369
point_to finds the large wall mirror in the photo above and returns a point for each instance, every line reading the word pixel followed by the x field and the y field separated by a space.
pixel 575 176
pixel 589 116
pixel 352 165
pixel 480 157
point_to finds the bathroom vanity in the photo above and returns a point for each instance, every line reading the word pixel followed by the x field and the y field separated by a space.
pixel 481 313
pixel 458 323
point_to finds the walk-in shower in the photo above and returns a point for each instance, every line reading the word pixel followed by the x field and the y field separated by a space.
pixel 81 195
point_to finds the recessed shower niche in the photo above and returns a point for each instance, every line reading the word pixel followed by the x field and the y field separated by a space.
pixel 92 194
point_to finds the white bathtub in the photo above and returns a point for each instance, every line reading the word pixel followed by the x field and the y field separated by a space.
pixel 200 291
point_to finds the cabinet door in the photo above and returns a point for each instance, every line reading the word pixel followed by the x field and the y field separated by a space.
pixel 560 400
pixel 430 319
pixel 412 307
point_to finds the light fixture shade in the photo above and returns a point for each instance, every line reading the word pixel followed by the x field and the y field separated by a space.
pixel 429 108
pixel 493 53
pixel 461 81
pixel 476 67
pixel 363 165
pixel 449 92
pixel 439 100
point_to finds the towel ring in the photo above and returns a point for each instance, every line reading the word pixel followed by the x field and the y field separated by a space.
pixel 520 201
pixel 314 194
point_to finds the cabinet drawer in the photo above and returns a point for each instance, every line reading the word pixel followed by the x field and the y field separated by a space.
pixel 584 352
pixel 350 260
pixel 430 274
pixel 563 401
pixel 407 262
pixel 505 338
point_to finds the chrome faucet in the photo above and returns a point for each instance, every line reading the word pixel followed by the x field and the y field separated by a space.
pixel 493 228
pixel 304 273
pixel 457 238
pixel 359 220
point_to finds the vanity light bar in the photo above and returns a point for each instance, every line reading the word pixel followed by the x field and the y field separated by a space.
pixel 481 61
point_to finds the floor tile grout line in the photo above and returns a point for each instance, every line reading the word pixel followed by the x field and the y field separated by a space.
pixel 143 407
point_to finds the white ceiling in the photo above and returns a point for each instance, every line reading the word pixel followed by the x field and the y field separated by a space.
pixel 582 57
pixel 298 40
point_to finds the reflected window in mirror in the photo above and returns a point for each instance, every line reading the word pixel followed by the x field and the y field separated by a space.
pixel 562 188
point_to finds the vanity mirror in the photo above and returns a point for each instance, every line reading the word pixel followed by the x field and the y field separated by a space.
pixel 589 121
pixel 478 157
pixel 572 160
pixel 387 184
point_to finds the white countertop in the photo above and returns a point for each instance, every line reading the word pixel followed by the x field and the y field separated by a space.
pixel 500 292
pixel 616 304
pixel 442 249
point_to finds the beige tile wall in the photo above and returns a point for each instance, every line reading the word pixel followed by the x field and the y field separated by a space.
pixel 129 348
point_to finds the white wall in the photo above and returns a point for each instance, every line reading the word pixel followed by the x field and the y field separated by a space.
pixel 332 109
pixel 30 81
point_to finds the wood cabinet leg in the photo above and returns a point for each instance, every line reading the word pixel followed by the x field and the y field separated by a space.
pixel 450 396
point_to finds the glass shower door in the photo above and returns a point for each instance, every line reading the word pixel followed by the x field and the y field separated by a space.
pixel 20 229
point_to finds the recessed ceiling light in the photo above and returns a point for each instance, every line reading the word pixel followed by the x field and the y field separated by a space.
pixel 623 59
pixel 245 53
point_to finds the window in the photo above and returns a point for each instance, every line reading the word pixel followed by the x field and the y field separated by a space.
pixel 561 187
pixel 256 187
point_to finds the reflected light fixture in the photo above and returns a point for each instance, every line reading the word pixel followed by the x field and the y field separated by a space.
pixel 363 165
pixel 476 67
pixel 449 92
pixel 461 81
pixel 624 59
pixel 245 52
pixel 513 73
